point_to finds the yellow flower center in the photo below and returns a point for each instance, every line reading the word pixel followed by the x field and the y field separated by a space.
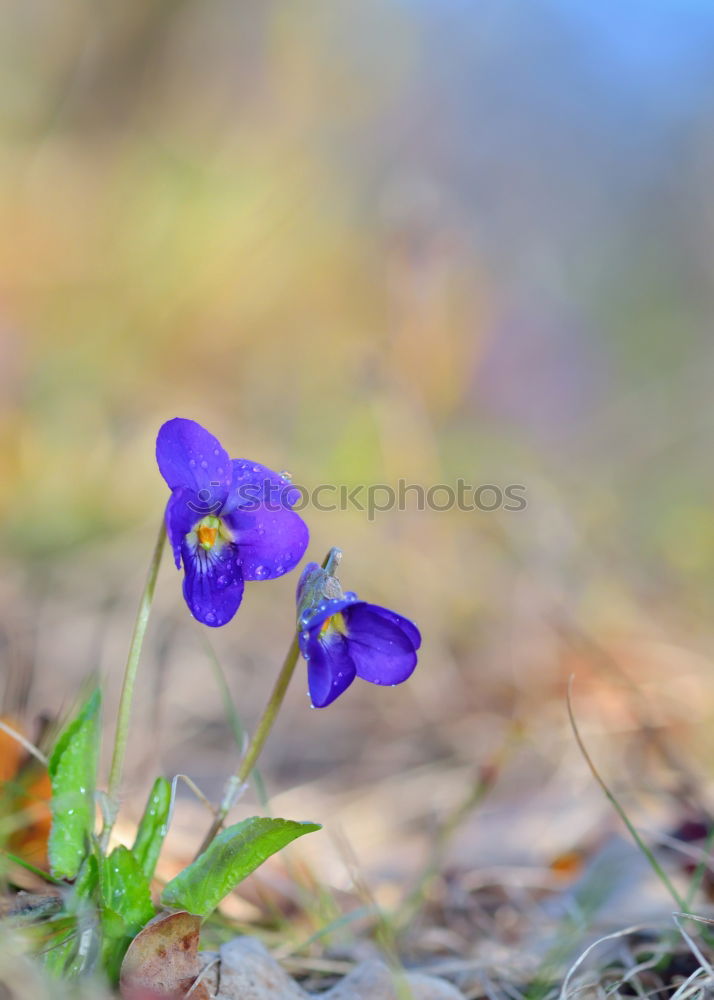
pixel 334 625
pixel 207 536
pixel 211 531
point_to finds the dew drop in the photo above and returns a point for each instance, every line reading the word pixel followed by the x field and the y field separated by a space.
pixel 210 617
pixel 192 462
pixel 261 571
pixel 280 569
pixel 204 464
pixel 306 635
pixel 216 451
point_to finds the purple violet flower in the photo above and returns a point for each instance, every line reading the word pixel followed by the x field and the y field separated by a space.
pixel 228 520
pixel 342 637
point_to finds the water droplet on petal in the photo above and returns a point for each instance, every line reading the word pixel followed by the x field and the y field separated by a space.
pixel 261 571
pixel 204 464
pixel 210 617
pixel 192 462
pixel 216 451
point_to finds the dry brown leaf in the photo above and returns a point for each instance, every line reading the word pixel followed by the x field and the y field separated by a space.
pixel 162 962
pixel 11 752
pixel 25 792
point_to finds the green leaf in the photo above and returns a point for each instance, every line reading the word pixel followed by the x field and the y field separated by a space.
pixel 15 859
pixel 125 889
pixel 87 880
pixel 73 769
pixel 74 952
pixel 152 828
pixel 126 906
pixel 232 856
pixel 58 950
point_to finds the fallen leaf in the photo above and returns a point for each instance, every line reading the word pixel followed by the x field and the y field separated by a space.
pixel 11 752
pixel 162 961
pixel 25 792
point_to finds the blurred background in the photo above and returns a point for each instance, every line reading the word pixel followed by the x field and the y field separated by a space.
pixel 365 240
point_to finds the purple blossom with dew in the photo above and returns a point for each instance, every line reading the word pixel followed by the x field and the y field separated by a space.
pixel 228 520
pixel 342 637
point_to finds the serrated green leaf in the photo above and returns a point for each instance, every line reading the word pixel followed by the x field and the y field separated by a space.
pixel 233 855
pixel 126 906
pixel 152 828
pixel 73 768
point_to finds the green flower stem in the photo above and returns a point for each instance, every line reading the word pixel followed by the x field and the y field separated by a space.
pixel 236 783
pixel 238 780
pixel 127 692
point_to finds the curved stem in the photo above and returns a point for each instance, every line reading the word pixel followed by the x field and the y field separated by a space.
pixel 127 692
pixel 654 863
pixel 236 782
